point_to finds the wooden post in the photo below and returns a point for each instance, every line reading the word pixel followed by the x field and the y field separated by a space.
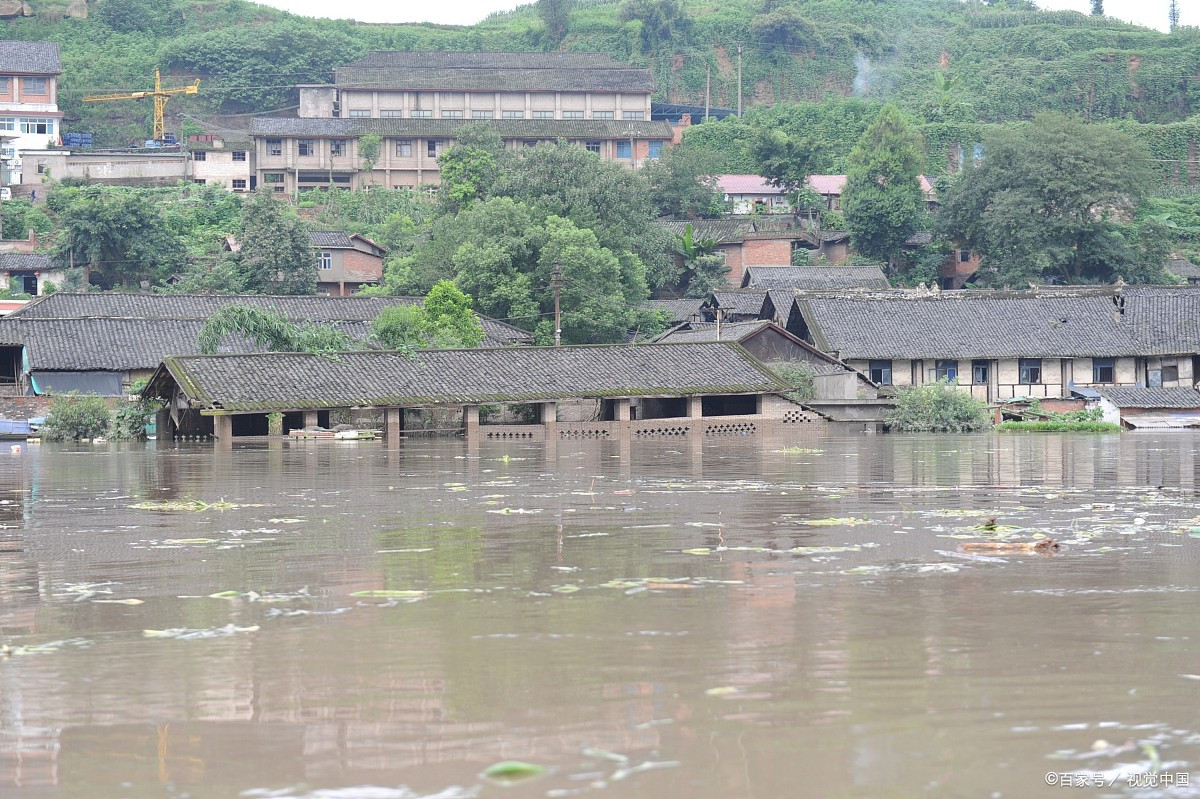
pixel 223 431
pixel 394 426
pixel 162 425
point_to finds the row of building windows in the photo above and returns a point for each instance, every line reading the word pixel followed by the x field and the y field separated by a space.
pixel 307 148
pixel 238 184
pixel 1029 371
pixel 40 86
pixel 416 113
pixel 36 125
pixel 202 155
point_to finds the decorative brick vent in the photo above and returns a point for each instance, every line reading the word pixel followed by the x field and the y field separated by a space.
pixel 646 432
pixel 798 415
pixel 584 432
pixel 731 429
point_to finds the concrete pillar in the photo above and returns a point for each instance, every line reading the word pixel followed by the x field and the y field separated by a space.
pixel 310 418
pixel 621 409
pixel 162 425
pixel 471 422
pixel 393 426
pixel 223 431
pixel 695 407
pixel 548 416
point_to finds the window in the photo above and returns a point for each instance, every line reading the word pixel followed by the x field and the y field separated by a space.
pixel 452 115
pixel 420 114
pixel 278 188
pixel 39 125
pixel 239 184
pixel 1104 370
pixel 482 115
pixel 41 167
pixel 239 155
pixel 529 143
pixel 8 123
pixel 1171 373
pixel 199 181
pixel 543 115
pixel 431 148
pixel 980 372
pixel 964 256
pixel 592 147
pixel 274 146
pixel 512 114
pixel 27 284
pixel 391 113
pixel 602 115
pixel 5 86
pixel 325 260
pixel 34 86
pixel 655 149
pixel 359 113
pixel 633 115
pixel 337 148
pixel 946 370
pixel 881 372
pixel 306 147
pixel 404 148
pixel 1030 370
pixel 200 155
pixel 272 177
pixel 572 115
pixel 624 149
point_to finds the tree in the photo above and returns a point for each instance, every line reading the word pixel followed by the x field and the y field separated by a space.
pixel 77 416
pixel 660 21
pixel 368 150
pixel 785 160
pixel 1050 201
pixel 1097 8
pixel 269 331
pixel 937 408
pixel 556 14
pixel 882 200
pixel 682 183
pixel 117 233
pixel 443 320
pixel 784 27
pixel 468 171
pixel 594 301
pixel 703 269
pixel 276 253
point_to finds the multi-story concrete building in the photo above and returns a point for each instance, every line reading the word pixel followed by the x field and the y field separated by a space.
pixel 216 160
pixel 416 101
pixel 29 115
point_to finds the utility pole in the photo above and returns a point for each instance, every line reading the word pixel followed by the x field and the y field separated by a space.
pixel 556 281
pixel 707 90
pixel 739 80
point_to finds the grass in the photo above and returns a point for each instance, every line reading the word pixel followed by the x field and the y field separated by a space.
pixel 1059 426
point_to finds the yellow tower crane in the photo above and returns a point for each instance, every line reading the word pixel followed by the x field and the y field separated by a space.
pixel 160 96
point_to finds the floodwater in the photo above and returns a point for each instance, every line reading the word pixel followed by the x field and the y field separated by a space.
pixel 662 619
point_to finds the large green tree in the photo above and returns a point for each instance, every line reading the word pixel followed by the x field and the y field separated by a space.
pixel 556 14
pixel 1052 202
pixel 882 200
pixel 444 319
pixel 276 252
pixel 683 184
pixel 468 171
pixel 270 331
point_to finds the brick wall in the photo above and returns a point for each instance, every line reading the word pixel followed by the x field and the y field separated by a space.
pixel 733 259
pixel 767 252
pixel 23 407
pixel 361 267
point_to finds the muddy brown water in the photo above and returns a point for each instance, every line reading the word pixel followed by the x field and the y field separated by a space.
pixel 661 619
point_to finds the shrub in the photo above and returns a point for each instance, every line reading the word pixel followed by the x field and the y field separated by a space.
pixel 937 408
pixel 76 416
pixel 799 376
pixel 134 414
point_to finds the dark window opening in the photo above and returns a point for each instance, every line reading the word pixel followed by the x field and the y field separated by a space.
pixel 664 408
pixel 1170 373
pixel 980 372
pixel 1030 370
pixel 25 284
pixel 964 256
pixel 881 372
pixel 10 365
pixel 1104 370
pixel 946 370
pixel 731 405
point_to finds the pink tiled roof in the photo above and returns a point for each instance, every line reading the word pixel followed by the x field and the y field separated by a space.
pixel 833 184
pixel 746 184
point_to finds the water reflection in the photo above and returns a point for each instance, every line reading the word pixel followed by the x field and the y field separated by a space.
pixel 641 600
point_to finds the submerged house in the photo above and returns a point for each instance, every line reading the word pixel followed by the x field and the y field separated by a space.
pixel 1004 344
pixel 1151 408
pixel 100 343
pixel 657 390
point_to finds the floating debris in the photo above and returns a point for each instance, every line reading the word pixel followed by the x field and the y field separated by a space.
pixel 511 771
pixel 194 505
pixel 190 634
pixel 835 521
pixel 383 593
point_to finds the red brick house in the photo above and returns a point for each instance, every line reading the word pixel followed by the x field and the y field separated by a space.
pixel 345 262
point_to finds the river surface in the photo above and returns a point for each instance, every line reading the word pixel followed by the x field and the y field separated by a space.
pixel 663 619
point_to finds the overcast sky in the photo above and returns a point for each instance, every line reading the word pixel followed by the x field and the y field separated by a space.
pixel 1152 13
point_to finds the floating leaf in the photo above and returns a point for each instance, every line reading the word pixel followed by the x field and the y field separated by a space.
pixel 225 595
pixel 565 589
pixel 725 690
pixel 698 551
pixel 513 771
pixel 604 754
pixel 821 550
pixel 186 504
pixel 649 765
pixel 382 593
pixel 190 541
pixel 117 602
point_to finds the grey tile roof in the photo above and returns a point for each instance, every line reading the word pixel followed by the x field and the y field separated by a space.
pixel 746 302
pixel 29 58
pixel 464 59
pixel 1060 322
pixel 445 128
pixel 261 382
pixel 707 331
pixel 726 231
pixel 18 261
pixel 815 278
pixel 1184 269
pixel 783 301
pixel 1129 397
pixel 677 310
pixel 101 305
pixel 332 239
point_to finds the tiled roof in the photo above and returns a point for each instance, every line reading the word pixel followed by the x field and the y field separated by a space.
pixel 98 305
pixel 726 231
pixel 834 184
pixel 414 71
pixel 919 239
pixel 815 278
pixel 333 239
pixel 1130 397
pixel 677 310
pixel 747 302
pixel 523 374
pixel 707 331
pixel 1063 322
pixel 445 128
pixel 463 59
pixel 1184 269
pixel 17 261
pixel 746 184
pixel 29 58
